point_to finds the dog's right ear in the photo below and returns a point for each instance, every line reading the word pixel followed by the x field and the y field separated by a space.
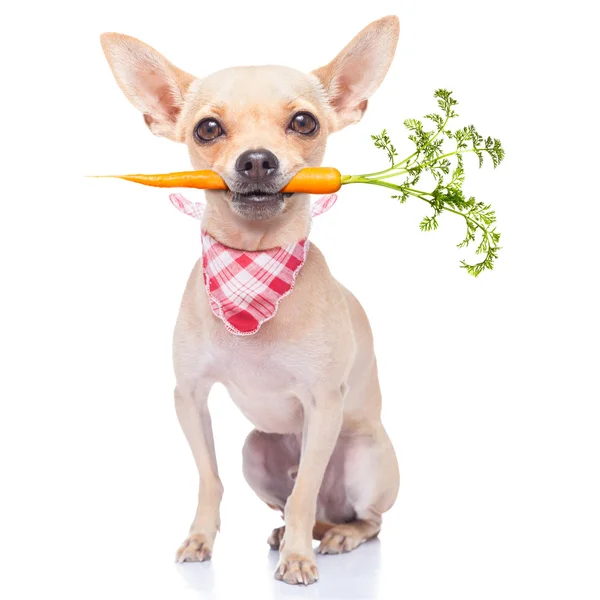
pixel 149 81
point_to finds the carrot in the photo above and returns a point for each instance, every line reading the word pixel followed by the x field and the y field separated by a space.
pixel 316 180
pixel 447 169
pixel 206 180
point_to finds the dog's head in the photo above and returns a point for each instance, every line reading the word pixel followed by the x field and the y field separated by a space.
pixel 255 126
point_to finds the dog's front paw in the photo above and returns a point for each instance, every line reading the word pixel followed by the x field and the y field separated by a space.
pixel 297 568
pixel 197 548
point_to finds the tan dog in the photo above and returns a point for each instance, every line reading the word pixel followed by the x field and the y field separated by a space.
pixel 308 378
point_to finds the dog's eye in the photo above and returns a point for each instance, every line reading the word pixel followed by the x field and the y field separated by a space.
pixel 208 130
pixel 304 123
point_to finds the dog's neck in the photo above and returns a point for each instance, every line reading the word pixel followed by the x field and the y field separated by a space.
pixel 229 228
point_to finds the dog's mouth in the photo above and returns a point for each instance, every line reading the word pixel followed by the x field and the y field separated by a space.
pixel 259 204
pixel 259 196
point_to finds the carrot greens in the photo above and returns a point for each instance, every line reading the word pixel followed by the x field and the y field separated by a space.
pixel 439 151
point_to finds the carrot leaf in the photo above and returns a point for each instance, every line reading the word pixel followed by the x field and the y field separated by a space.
pixel 439 153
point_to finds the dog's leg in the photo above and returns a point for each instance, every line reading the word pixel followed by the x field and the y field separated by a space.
pixel 194 418
pixel 270 462
pixel 348 536
pixel 322 423
pixel 270 467
pixel 370 481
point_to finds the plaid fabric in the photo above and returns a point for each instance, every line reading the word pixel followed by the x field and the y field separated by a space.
pixel 245 288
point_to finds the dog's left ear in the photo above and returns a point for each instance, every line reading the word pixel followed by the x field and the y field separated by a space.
pixel 358 70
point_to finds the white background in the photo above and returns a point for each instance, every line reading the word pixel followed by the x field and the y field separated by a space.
pixel 490 385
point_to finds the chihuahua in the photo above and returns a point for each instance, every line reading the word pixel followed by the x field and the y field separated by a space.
pixel 307 379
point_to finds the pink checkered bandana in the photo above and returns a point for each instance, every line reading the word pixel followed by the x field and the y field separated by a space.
pixel 245 288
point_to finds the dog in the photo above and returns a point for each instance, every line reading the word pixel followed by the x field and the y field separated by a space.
pixel 307 379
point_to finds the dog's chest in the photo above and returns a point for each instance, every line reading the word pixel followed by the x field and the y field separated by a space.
pixel 266 380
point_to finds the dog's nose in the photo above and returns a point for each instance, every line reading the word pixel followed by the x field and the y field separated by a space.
pixel 257 164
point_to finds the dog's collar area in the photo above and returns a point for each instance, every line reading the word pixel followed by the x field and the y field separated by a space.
pixel 245 287
pixel 196 209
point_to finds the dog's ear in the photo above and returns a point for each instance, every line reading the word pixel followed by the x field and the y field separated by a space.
pixel 149 81
pixel 358 70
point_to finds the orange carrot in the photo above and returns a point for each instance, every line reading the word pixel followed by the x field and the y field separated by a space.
pixel 316 180
pixel 206 180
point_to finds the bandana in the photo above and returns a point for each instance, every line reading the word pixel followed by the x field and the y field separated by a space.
pixel 245 288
